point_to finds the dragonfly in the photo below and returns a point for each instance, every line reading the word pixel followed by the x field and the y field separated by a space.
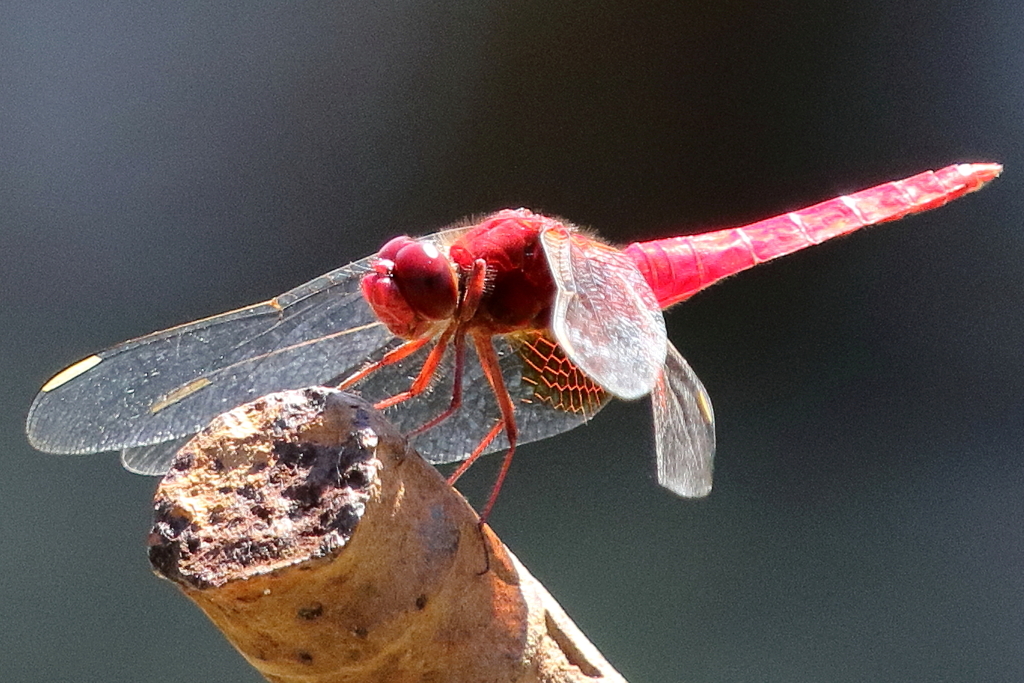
pixel 474 339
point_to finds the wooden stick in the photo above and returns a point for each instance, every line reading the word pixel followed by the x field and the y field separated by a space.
pixel 328 552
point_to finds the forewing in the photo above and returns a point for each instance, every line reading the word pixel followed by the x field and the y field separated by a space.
pixel 146 396
pixel 684 429
pixel 605 315
pixel 171 383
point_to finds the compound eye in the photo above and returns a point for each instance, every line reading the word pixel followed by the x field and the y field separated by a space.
pixel 390 250
pixel 426 279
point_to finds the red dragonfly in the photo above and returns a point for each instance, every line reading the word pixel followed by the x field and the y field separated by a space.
pixel 476 338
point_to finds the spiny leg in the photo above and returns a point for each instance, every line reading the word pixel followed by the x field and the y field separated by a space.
pixel 472 293
pixel 460 363
pixel 393 356
pixel 474 289
pixel 489 361
pixel 477 452
pixel 422 381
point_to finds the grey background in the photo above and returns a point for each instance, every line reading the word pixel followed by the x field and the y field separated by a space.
pixel 164 161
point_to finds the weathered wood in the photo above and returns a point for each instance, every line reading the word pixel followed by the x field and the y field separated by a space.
pixel 326 551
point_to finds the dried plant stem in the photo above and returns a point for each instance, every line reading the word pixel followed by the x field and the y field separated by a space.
pixel 327 552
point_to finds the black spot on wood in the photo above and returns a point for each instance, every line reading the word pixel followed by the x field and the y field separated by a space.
pixel 314 611
pixel 183 462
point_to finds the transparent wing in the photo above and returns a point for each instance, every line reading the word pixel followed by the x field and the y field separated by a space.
pixel 605 315
pixel 684 429
pixel 146 396
pixel 550 395
pixel 544 406
pixel 154 459
pixel 171 383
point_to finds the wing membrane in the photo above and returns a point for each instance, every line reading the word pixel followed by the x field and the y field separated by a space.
pixel 457 437
pixel 684 429
pixel 146 396
pixel 154 459
pixel 605 315
pixel 171 383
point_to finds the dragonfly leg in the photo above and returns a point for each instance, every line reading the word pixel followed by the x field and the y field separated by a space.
pixel 484 443
pixel 472 292
pixel 489 362
pixel 460 363
pixel 422 381
pixel 391 357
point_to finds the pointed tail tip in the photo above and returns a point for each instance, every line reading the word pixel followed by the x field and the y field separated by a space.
pixel 981 173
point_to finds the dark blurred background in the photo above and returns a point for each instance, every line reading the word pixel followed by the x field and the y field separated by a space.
pixel 165 161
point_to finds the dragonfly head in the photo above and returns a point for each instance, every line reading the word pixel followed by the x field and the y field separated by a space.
pixel 411 287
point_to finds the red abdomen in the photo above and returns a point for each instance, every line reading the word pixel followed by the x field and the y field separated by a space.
pixel 679 267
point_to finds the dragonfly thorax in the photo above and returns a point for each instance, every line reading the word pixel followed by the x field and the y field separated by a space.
pixel 519 287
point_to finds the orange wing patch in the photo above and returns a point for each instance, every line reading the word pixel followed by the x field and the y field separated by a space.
pixel 555 379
